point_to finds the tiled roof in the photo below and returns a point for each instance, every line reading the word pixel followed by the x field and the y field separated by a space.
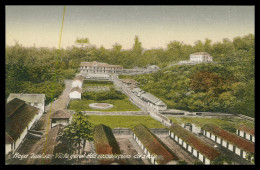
pixel 61 114
pixel 19 119
pixel 247 129
pixel 8 138
pixel 230 137
pixel 105 141
pixel 12 106
pixel 192 140
pixel 78 89
pixel 153 144
pixel 150 97
pixel 32 98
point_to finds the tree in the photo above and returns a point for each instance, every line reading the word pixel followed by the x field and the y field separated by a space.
pixel 79 131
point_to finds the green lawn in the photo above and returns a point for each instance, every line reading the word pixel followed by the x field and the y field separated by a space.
pixel 97 83
pixel 229 124
pixel 124 121
pixel 119 105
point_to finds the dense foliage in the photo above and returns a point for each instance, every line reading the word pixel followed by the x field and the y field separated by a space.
pixel 112 94
pixel 224 87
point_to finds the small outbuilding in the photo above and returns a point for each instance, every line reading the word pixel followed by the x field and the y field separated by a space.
pixel 75 93
pixel 62 117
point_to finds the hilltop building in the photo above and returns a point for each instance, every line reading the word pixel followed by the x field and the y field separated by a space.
pixel 199 57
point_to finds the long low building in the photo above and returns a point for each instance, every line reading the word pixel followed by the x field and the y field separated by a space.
pixel 193 144
pixel 153 101
pixel 75 93
pixel 151 145
pixel 36 100
pixel 229 140
pixel 98 67
pixel 19 119
pixel 246 132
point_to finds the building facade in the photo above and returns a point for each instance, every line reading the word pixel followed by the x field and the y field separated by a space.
pixel 199 57
pixel 97 67
pixel 75 93
pixel 229 140
pixel 246 133
pixel 60 117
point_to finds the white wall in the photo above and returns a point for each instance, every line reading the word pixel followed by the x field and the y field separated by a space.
pixel 75 95
pixel 189 148
pixel 218 140
pixel 207 161
pixel 200 157
pixel 213 137
pixel 237 151
pixel 247 136
pixel 76 83
pixel 180 141
pixel 7 148
pixel 230 147
pixel 224 143
pixel 195 152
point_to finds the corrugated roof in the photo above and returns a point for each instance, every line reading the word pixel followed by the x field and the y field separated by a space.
pixel 150 97
pixel 231 138
pixel 61 114
pixel 247 129
pixel 153 144
pixel 78 89
pixel 160 103
pixel 32 98
pixel 19 120
pixel 195 142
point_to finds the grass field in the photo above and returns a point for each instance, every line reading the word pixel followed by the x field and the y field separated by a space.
pixel 119 105
pixel 97 83
pixel 228 124
pixel 124 121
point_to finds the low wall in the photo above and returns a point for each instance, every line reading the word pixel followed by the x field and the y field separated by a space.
pixel 123 113
pixel 127 131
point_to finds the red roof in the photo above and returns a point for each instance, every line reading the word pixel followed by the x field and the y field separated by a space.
pixel 187 136
pixel 247 129
pixel 231 138
pixel 153 144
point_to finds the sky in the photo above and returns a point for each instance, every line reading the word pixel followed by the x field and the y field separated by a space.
pixel 156 26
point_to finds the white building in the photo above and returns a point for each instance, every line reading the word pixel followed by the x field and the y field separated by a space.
pixel 153 101
pixel 229 140
pixel 192 127
pixel 19 119
pixel 60 117
pixel 199 57
pixel 97 67
pixel 194 145
pixel 152 146
pixel 246 133
pixel 77 82
pixel 75 93
pixel 36 100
